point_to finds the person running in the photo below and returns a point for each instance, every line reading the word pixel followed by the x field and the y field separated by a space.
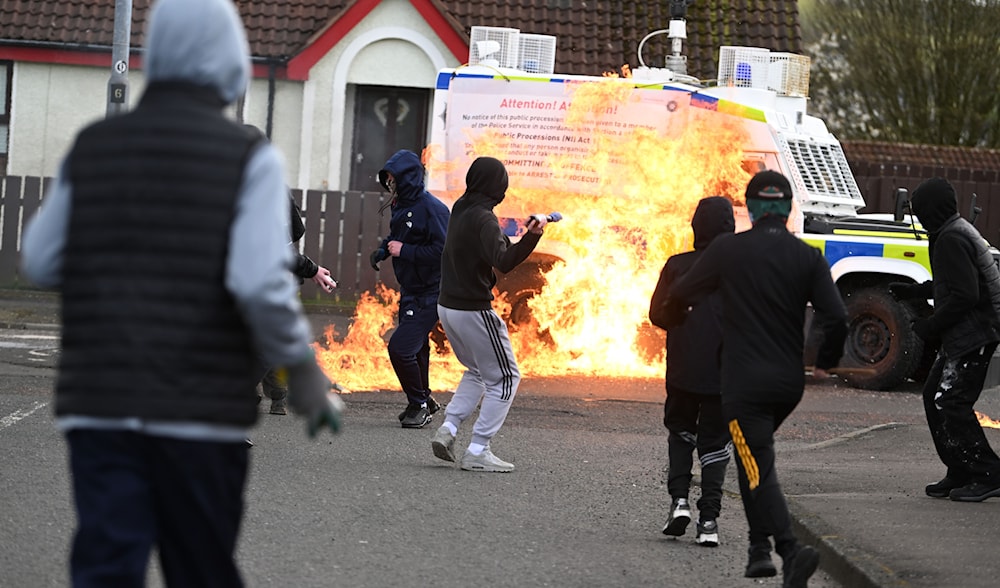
pixel 692 412
pixel 416 237
pixel 767 277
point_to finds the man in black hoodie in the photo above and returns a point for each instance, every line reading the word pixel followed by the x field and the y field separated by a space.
pixel 767 277
pixel 966 323
pixel 474 246
pixel 693 410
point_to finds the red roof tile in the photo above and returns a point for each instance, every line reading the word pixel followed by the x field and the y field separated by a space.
pixel 593 36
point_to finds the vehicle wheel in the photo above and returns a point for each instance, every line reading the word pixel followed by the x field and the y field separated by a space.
pixel 519 286
pixel 879 336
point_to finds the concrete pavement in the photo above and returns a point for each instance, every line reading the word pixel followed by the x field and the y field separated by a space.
pixel 853 465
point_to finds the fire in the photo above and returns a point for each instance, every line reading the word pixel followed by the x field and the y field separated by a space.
pixel 591 316
pixel 986 421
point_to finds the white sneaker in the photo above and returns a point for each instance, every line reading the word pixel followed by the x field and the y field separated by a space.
pixel 708 533
pixel 485 462
pixel 680 516
pixel 443 444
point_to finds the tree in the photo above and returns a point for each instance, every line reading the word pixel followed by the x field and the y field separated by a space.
pixel 910 71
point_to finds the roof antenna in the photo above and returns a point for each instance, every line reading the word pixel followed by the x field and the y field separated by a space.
pixel 676 62
pixel 902 207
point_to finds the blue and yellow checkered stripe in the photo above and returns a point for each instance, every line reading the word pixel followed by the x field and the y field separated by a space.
pixel 834 250
pixel 698 100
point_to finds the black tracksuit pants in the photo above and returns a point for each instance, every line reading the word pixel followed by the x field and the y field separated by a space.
pixel 752 426
pixel 695 422
pixel 410 348
pixel 951 390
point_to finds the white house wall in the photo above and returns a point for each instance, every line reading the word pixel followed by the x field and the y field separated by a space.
pixel 286 118
pixel 392 46
pixel 49 105
pixel 312 121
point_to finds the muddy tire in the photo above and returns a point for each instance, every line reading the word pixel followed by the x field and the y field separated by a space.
pixel 519 286
pixel 879 336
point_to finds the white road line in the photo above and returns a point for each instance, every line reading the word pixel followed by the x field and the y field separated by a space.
pixel 42 337
pixel 18 415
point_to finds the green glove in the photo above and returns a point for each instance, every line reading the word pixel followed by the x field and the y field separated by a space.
pixel 309 395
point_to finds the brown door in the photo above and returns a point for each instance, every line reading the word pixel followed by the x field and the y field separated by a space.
pixel 386 119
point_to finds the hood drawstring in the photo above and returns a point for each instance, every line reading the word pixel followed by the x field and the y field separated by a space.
pixel 388 204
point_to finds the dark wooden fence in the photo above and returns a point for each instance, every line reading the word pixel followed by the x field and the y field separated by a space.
pixel 342 229
pixel 878 183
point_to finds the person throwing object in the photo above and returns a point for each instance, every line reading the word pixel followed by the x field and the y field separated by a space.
pixel 474 247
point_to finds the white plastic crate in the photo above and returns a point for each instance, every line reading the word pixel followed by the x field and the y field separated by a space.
pixel 744 67
pixel 497 46
pixel 789 74
pixel 537 53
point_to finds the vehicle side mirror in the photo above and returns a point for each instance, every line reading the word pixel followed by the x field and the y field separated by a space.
pixel 902 204
pixel 974 211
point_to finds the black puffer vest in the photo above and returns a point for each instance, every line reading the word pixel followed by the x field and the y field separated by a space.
pixel 982 325
pixel 149 329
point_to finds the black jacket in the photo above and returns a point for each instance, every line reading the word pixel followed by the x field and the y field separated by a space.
pixel 156 188
pixel 767 276
pixel 419 221
pixel 694 339
pixel 966 288
pixel 302 266
pixel 476 244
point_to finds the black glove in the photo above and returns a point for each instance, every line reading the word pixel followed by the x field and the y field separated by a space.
pixel 904 290
pixel 924 329
pixel 377 256
pixel 310 396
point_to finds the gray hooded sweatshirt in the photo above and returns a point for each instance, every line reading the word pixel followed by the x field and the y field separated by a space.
pixel 203 42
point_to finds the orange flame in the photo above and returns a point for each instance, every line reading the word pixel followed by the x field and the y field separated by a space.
pixel 987 422
pixel 591 316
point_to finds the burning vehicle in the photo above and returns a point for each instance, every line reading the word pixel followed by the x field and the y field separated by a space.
pixel 625 158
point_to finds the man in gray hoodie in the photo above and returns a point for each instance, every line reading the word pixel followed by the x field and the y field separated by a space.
pixel 161 233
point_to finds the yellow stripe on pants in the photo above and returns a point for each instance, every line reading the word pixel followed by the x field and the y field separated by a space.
pixel 743 451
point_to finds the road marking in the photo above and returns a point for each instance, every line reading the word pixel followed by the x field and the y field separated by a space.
pixel 44 337
pixel 19 414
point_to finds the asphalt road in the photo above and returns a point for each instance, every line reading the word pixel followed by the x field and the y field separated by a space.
pixel 373 507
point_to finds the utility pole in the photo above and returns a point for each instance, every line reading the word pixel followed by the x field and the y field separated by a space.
pixel 118 84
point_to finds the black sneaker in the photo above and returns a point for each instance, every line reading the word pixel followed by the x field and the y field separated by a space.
pixel 708 533
pixel 415 417
pixel 432 407
pixel 943 488
pixel 801 568
pixel 680 516
pixel 279 406
pixel 975 492
pixel 759 567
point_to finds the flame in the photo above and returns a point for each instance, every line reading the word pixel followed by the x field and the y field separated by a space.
pixel 986 421
pixel 591 316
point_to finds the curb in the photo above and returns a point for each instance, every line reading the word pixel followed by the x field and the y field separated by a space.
pixel 845 563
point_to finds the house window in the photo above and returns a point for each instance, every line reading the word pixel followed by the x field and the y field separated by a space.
pixel 6 75
pixel 386 119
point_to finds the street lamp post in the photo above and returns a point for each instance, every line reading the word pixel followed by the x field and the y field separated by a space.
pixel 118 84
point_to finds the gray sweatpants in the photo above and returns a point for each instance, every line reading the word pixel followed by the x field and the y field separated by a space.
pixel 480 341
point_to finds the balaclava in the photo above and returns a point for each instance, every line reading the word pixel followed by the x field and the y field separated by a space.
pixel 934 203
